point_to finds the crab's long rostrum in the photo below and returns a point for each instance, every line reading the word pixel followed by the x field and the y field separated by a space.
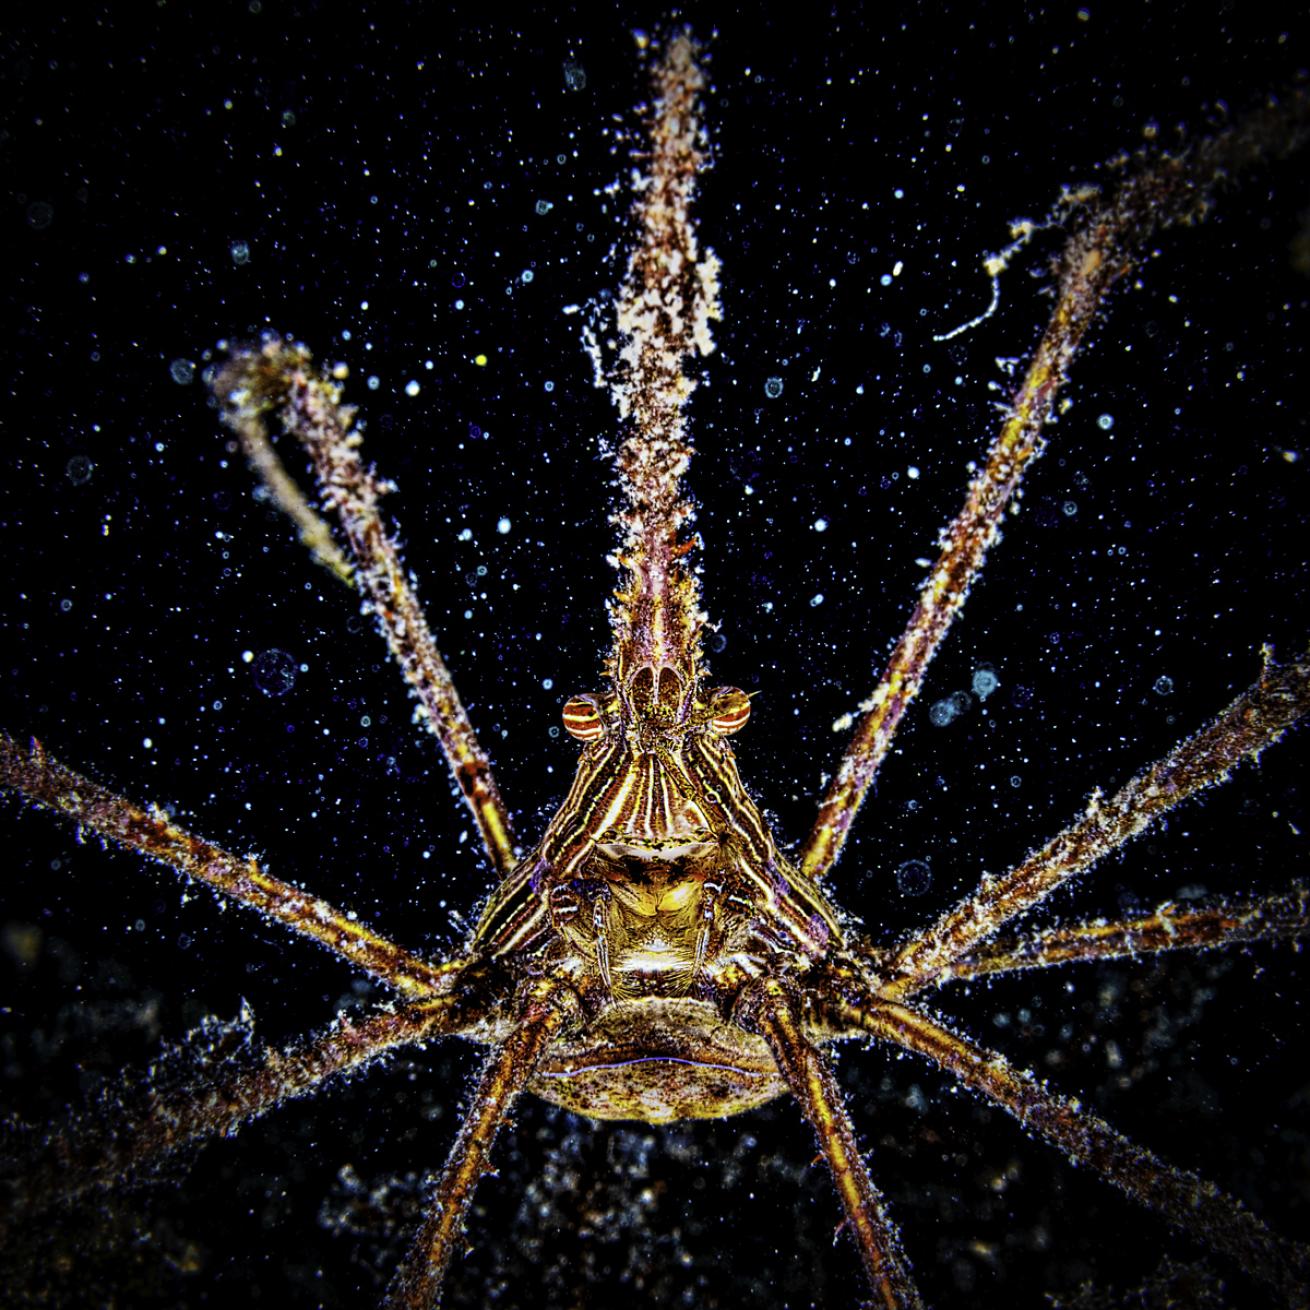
pixel 282 378
pixel 770 1008
pixel 545 1009
pixel 97 809
pixel 1172 927
pixel 1109 233
pixel 151 1122
pixel 1256 719
pixel 1183 1198
pixel 664 309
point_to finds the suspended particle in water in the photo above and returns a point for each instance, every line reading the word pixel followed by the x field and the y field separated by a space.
pixel 544 207
pixel 182 371
pixel 773 388
pixel 240 252
pixel 1163 685
pixel 914 877
pixel 1105 422
pixel 984 681
pixel 275 672
pixel 575 76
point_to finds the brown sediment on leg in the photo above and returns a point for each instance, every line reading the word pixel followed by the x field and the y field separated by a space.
pixel 1196 1206
pixel 31 772
pixel 545 1010
pixel 770 1009
pixel 141 1127
pixel 663 312
pixel 1108 234
pixel 1173 927
pixel 252 436
pixel 1256 719
pixel 282 377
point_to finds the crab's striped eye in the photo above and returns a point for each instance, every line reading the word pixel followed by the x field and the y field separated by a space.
pixel 582 718
pixel 730 707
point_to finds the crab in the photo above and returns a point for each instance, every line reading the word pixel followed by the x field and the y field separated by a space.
pixel 655 952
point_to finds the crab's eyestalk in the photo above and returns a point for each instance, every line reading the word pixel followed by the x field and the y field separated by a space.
pixel 583 718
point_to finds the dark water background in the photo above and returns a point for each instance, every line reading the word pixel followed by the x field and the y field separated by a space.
pixel 179 174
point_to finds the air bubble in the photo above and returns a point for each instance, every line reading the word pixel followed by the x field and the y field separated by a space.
pixel 773 388
pixel 78 470
pixel 914 877
pixel 275 672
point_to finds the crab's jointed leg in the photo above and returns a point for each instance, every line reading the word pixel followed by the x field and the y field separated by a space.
pixel 769 1008
pixel 149 1124
pixel 281 377
pixel 1183 1198
pixel 1256 719
pixel 1109 236
pixel 545 1009
pixel 47 783
pixel 1280 917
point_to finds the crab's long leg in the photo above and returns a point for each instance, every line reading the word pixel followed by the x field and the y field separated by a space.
pixel 1253 721
pixel 545 1009
pixel 147 1125
pixel 769 1008
pixel 1172 927
pixel 1108 236
pixel 664 309
pixel 252 435
pixel 46 782
pixel 282 377
pixel 1183 1198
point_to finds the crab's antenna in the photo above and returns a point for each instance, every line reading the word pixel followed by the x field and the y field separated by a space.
pixel 669 296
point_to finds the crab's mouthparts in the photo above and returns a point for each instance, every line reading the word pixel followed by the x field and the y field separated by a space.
pixel 629 847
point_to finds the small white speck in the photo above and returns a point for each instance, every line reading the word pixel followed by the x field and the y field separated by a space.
pixel 821 525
